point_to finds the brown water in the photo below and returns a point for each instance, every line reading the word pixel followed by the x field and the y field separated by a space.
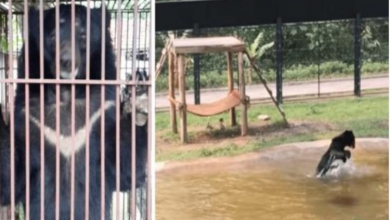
pixel 279 184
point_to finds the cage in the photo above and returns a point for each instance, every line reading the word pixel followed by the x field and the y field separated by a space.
pixel 129 29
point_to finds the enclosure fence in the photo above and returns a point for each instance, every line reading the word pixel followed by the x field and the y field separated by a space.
pixel 292 52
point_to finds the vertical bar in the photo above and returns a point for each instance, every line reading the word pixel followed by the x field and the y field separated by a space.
pixel 195 33
pixel 241 79
pixel 42 116
pixel 27 105
pixel 358 45
pixel 87 108
pixel 127 47
pixel 318 79
pixel 151 105
pixel 57 30
pixel 279 60
pixel 102 100
pixel 73 109
pixel 231 86
pixel 183 110
pixel 118 77
pixel 6 74
pixel 139 42
pixel 146 39
pixel 133 98
pixel 134 45
pixel 115 31
pixel 12 119
pixel 318 70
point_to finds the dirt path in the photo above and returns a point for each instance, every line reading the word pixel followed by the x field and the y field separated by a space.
pixel 258 131
pixel 289 89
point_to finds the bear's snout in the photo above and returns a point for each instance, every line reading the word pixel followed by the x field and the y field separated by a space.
pixel 66 60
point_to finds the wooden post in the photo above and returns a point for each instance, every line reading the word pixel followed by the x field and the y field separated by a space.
pixel 241 79
pixel 182 89
pixel 171 85
pixel 231 87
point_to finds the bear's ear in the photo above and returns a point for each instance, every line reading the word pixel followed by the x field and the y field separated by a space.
pixel 97 13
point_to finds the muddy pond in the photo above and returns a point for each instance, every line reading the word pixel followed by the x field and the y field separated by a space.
pixel 277 183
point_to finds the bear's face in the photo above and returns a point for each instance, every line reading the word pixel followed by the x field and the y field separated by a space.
pixel 349 138
pixel 65 39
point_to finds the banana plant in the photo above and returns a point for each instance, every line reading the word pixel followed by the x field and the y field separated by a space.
pixel 256 51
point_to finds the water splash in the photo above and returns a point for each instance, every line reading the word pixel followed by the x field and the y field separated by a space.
pixel 339 170
pixel 349 169
pixel 343 169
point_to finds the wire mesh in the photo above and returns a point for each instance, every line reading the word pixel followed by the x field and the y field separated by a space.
pixel 311 51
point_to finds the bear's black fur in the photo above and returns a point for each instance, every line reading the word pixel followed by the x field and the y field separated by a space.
pixel 109 145
pixel 336 151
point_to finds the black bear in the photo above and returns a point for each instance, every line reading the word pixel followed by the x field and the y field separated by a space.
pixel 49 130
pixel 335 152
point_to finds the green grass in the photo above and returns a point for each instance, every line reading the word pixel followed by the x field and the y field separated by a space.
pixel 367 117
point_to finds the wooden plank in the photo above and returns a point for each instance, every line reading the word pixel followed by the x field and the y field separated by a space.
pixel 231 86
pixel 182 89
pixel 207 45
pixel 257 69
pixel 172 92
pixel 161 62
pixel 241 79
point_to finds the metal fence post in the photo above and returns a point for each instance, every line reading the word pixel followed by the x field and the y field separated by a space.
pixel 279 61
pixel 318 69
pixel 357 44
pixel 196 57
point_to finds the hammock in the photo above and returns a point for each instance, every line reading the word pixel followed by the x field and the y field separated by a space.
pixel 231 100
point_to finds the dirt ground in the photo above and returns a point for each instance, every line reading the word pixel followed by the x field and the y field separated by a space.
pixel 201 137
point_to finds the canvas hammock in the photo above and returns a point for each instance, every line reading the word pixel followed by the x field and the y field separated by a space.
pixel 209 109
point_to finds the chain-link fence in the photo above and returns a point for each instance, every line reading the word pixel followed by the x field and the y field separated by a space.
pixel 296 52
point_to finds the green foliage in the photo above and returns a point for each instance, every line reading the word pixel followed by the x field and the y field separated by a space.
pixel 17 38
pixel 256 50
pixel 305 46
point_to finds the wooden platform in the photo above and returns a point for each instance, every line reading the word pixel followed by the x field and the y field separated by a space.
pixel 207 45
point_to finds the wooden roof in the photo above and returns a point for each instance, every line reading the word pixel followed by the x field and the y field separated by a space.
pixel 207 45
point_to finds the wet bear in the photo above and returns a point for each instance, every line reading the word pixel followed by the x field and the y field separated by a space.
pixel 336 151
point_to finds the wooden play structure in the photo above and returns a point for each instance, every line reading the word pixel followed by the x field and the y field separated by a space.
pixel 176 49
pixel 183 46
